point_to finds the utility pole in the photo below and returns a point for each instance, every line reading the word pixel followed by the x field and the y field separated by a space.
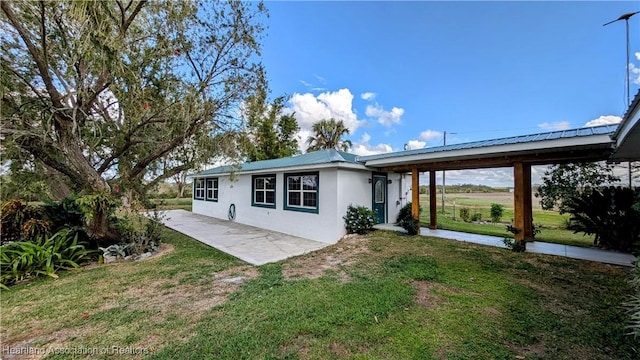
pixel 626 17
pixel 444 142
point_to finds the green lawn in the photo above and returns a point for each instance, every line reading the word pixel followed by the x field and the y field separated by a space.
pixel 551 223
pixel 384 296
pixel 173 203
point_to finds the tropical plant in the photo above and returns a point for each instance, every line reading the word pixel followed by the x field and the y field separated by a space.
pixel 23 260
pixel 359 219
pixel 20 221
pixel 610 215
pixel 97 90
pixel 632 305
pixel 327 134
pixel 496 212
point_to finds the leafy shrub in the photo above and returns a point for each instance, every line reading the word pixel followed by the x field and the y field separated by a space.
pixel 511 243
pixel 359 219
pixel 476 217
pixel 633 304
pixel 465 214
pixel 63 214
pixel 608 213
pixel 406 221
pixel 118 251
pixel 20 221
pixel 139 234
pixel 23 260
pixel 496 212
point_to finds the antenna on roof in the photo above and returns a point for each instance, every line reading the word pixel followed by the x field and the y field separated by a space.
pixel 626 17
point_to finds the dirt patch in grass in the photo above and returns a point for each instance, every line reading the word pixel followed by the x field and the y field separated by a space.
pixel 163 298
pixel 427 293
pixel 332 260
pixel 189 299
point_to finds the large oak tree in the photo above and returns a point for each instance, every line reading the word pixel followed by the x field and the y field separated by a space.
pixel 105 93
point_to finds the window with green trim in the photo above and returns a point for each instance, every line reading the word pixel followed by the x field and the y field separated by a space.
pixel 211 189
pixel 263 189
pixel 301 192
pixel 198 189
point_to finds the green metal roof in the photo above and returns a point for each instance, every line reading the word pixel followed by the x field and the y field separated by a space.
pixel 312 158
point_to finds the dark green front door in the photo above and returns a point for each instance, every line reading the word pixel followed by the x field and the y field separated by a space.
pixel 379 192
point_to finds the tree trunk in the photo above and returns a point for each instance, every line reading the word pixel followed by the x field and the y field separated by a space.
pixel 100 229
pixel 181 187
pixel 57 186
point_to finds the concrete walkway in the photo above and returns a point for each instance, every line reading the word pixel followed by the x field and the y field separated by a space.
pixel 574 252
pixel 251 244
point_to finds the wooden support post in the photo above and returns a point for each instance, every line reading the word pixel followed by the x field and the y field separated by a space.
pixel 415 195
pixel 523 217
pixel 433 216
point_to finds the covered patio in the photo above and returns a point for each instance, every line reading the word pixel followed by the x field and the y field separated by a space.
pixel 518 152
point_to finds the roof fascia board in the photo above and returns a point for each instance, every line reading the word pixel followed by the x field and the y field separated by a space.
pixel 627 125
pixel 343 165
pixel 603 140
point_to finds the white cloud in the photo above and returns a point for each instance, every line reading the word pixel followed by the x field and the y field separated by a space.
pixel 637 55
pixel 363 147
pixel 320 78
pixel 604 120
pixel 494 177
pixel 386 118
pixel 560 125
pixel 415 144
pixel 634 73
pixel 429 135
pixel 368 96
pixel 310 108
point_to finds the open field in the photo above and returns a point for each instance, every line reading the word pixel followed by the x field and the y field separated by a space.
pixel 551 223
pixel 383 296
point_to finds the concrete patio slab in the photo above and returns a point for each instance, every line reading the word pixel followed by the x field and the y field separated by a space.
pixel 251 244
pixel 538 247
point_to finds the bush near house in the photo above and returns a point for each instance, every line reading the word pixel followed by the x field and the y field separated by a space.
pixel 359 219
pixel 610 214
pixel 406 221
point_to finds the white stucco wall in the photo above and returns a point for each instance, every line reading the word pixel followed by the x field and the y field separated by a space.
pixel 399 193
pixel 354 189
pixel 338 188
pixel 320 227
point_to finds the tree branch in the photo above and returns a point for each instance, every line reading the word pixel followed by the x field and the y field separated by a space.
pixel 41 62
pixel 169 173
pixel 129 20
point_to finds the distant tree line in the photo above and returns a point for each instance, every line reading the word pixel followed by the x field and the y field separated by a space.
pixel 464 189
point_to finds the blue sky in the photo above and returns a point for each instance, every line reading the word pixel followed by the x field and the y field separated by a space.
pixel 404 72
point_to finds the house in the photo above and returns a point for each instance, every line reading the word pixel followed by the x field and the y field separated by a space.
pixel 305 195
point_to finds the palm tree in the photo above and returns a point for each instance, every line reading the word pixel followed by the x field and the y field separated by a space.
pixel 327 134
